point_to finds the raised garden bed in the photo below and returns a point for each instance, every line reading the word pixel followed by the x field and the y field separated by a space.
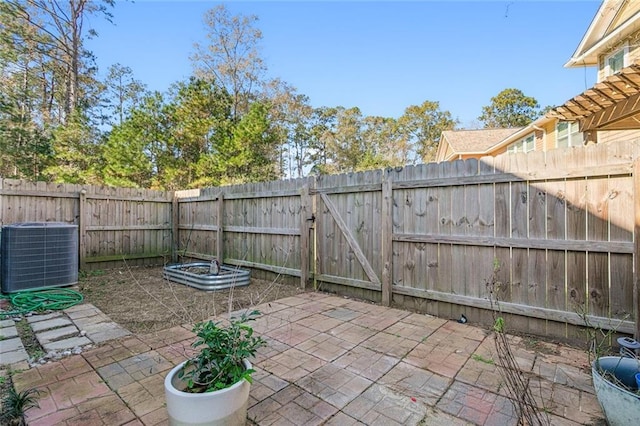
pixel 202 276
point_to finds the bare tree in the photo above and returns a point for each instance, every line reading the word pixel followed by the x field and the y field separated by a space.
pixel 55 30
pixel 232 56
pixel 123 92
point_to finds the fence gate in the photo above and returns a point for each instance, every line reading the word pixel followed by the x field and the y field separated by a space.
pixel 349 218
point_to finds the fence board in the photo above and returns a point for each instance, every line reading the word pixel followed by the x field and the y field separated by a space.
pixel 502 229
pixel 537 259
pixel 445 252
pixel 458 224
pixel 432 224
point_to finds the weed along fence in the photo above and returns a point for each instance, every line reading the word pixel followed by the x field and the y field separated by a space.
pixel 557 232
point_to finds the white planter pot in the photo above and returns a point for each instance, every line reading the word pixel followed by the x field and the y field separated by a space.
pixel 226 407
pixel 620 407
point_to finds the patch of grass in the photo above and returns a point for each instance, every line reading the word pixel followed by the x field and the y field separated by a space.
pixel 480 358
pixel 38 353
pixel 28 337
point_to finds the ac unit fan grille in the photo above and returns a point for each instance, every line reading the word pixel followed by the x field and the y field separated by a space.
pixel 38 255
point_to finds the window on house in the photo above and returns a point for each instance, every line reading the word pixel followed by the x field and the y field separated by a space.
pixel 568 134
pixel 616 61
pixel 525 144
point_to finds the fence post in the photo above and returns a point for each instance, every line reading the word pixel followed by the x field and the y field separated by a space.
pixel 220 231
pixel 312 229
pixel 387 238
pixel 175 227
pixel 307 218
pixel 636 245
pixel 82 228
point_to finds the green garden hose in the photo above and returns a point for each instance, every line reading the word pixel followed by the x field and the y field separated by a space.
pixel 41 300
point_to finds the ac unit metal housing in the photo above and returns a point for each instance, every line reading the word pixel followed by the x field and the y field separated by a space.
pixel 38 255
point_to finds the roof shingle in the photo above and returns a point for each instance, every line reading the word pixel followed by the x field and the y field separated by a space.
pixel 480 140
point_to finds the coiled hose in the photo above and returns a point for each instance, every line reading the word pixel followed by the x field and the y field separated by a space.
pixel 41 300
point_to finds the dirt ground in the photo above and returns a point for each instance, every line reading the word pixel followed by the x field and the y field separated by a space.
pixel 142 301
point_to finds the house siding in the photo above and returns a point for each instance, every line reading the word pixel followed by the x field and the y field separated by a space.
pixel 549 139
pixel 539 141
pixel 618 135
pixel 633 54
pixel 634 49
pixel 449 151
pixel 625 13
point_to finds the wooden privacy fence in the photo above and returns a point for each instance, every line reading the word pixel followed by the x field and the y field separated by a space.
pixel 556 230
pixel 114 224
pixel 257 225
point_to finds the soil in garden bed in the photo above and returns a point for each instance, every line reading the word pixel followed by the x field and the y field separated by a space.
pixel 142 300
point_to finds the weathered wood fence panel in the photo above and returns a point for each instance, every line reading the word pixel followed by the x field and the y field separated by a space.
pixel 115 224
pixel 560 227
pixel 261 225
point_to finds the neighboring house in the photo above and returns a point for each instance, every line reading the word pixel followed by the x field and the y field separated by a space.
pixel 543 134
pixel 610 110
pixel 462 144
pixel 607 112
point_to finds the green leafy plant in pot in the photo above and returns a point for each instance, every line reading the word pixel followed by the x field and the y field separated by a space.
pixel 212 387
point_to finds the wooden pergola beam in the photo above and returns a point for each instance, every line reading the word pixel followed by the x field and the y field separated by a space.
pixel 610 115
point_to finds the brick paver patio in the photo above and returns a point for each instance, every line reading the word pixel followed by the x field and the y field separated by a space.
pixel 331 361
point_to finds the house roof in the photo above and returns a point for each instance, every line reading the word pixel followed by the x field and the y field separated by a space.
pixel 604 31
pixel 476 141
pixel 607 105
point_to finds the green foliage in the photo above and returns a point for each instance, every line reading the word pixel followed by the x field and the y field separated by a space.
pixel 383 142
pixel 249 154
pixel 227 124
pixel 26 149
pixel 291 117
pixel 127 155
pixel 343 140
pixel 16 403
pixel 422 125
pixel 48 81
pixel 75 152
pixel 161 142
pixel 189 139
pixel 510 108
pixel 122 93
pixel 482 359
pixel 218 364
pixel 322 124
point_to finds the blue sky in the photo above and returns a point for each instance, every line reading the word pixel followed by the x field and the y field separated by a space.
pixel 378 56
